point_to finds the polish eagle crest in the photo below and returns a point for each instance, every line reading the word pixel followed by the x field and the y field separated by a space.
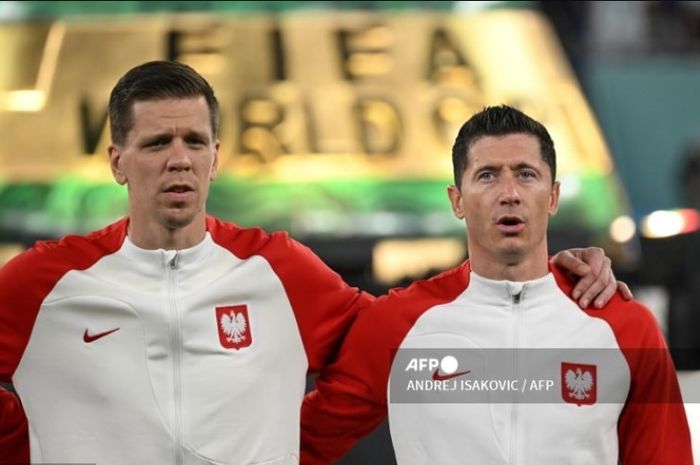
pixel 234 326
pixel 579 383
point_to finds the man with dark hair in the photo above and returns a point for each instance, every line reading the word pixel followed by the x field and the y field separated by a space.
pixel 153 81
pixel 168 337
pixel 611 393
pixel 500 121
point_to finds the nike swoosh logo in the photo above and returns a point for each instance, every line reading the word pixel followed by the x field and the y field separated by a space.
pixel 88 338
pixel 438 377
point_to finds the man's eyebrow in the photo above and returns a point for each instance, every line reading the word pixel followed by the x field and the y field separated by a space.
pixel 197 134
pixel 159 136
pixel 487 168
pixel 518 166
pixel 166 135
pixel 523 165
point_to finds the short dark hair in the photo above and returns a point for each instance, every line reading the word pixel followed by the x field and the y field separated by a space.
pixel 499 121
pixel 157 80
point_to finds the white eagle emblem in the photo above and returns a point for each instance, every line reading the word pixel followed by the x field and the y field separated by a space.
pixel 579 383
pixel 234 326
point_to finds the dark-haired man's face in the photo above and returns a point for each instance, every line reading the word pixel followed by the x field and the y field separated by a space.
pixel 167 161
pixel 506 197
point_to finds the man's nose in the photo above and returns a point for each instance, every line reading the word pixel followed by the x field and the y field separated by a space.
pixel 180 157
pixel 509 190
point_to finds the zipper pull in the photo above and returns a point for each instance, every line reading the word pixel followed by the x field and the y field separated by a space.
pixel 174 261
pixel 516 291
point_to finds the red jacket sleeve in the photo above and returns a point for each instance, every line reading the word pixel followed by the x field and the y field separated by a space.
pixel 14 443
pixel 653 428
pixel 350 396
pixel 21 293
pixel 25 281
pixel 324 305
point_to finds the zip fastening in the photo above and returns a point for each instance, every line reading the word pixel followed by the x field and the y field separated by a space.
pixel 175 343
pixel 516 298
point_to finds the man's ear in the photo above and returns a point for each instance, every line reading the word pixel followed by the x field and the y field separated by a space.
pixel 115 163
pixel 455 196
pixel 554 199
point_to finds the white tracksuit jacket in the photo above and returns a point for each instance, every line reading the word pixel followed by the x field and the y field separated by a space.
pixel 128 356
pixel 629 410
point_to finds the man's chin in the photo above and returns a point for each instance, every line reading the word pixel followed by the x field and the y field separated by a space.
pixel 178 219
pixel 512 251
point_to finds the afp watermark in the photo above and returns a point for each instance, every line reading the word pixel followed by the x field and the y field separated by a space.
pixel 581 377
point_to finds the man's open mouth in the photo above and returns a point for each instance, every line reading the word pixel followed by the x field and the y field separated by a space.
pixel 510 224
pixel 179 188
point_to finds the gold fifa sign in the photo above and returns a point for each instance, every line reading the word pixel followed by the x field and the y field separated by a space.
pixel 302 95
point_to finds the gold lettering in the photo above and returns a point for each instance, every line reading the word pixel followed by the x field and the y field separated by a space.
pixel 366 51
pixel 260 120
pixel 447 64
pixel 91 126
pixel 380 125
pixel 274 123
pixel 200 46
pixel 449 113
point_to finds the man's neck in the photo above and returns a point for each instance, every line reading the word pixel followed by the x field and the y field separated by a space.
pixel 510 268
pixel 152 236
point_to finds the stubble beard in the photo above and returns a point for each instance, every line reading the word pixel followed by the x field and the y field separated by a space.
pixel 181 218
pixel 511 254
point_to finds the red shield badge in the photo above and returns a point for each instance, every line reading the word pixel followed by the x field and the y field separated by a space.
pixel 578 383
pixel 234 326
